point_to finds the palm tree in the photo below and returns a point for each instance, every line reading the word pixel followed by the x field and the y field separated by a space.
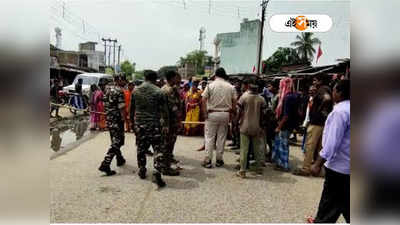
pixel 305 45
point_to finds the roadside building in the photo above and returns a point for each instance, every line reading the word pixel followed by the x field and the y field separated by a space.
pixel 237 52
pixel 68 64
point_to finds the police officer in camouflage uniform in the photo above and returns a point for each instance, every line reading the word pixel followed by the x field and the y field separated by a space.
pixel 150 119
pixel 170 89
pixel 114 104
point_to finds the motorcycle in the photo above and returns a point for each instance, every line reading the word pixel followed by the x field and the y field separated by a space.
pixel 72 100
pixel 78 102
pixel 63 97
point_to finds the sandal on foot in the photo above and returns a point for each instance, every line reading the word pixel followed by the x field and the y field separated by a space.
pixel 310 219
pixel 241 174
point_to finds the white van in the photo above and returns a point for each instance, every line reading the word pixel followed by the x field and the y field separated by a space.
pixel 88 79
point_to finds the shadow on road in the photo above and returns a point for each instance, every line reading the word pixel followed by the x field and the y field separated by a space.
pixel 191 170
pixel 181 184
pixel 273 176
pixel 126 170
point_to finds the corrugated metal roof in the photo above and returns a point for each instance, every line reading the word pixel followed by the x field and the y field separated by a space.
pixel 291 74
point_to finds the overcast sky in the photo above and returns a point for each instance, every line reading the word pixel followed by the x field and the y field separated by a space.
pixel 154 33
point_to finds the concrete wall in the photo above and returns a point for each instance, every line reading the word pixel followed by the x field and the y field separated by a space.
pixel 187 71
pixel 95 59
pixel 88 59
pixel 68 57
pixel 239 50
pixel 87 46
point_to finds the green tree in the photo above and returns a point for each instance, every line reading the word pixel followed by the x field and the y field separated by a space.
pixel 127 69
pixel 281 57
pixel 209 61
pixel 197 58
pixel 182 61
pixel 139 75
pixel 305 45
pixel 109 71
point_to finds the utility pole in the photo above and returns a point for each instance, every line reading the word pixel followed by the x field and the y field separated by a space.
pixel 63 9
pixel 264 5
pixel 109 53
pixel 105 51
pixel 119 54
pixel 115 41
pixel 202 37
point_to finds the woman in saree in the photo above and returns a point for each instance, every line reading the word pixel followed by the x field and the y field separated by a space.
pixel 92 105
pixel 100 116
pixel 128 94
pixel 193 102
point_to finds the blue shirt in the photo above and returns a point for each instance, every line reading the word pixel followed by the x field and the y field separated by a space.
pixel 336 139
pixel 267 93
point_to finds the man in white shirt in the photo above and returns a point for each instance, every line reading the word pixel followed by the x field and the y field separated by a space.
pixel 219 99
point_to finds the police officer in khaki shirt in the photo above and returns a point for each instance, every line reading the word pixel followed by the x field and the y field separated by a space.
pixel 219 99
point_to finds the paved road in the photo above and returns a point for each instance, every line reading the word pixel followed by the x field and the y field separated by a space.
pixel 80 194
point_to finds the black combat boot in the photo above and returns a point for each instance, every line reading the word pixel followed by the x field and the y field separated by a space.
pixel 158 180
pixel 120 160
pixel 142 173
pixel 105 165
pixel 174 161
pixel 106 169
pixel 219 163
pixel 170 172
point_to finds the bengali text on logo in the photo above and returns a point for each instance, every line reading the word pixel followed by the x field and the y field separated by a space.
pixel 300 23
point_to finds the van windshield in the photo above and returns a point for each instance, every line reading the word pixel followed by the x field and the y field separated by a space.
pixel 87 80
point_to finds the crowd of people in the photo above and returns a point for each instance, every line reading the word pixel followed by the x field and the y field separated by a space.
pixel 259 118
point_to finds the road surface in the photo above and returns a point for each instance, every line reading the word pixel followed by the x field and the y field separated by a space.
pixel 81 194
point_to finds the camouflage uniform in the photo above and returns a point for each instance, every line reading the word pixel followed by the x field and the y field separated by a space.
pixel 149 108
pixel 175 117
pixel 114 101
